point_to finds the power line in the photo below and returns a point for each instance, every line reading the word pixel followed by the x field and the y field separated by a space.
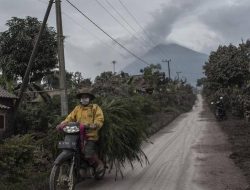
pixel 91 33
pixel 132 35
pixel 122 46
pixel 136 21
pixel 116 19
pixel 142 28
pixel 132 16
pixel 120 15
pixel 144 31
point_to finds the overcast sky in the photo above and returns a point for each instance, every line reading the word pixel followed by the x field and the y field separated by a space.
pixel 201 25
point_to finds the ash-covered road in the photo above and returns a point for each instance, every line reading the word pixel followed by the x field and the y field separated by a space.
pixel 189 154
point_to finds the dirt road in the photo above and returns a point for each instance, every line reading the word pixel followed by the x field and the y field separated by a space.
pixel 189 154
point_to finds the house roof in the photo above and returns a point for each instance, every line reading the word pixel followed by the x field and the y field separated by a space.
pixel 4 107
pixel 6 94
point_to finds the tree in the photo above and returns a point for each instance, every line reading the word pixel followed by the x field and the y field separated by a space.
pixel 153 76
pixel 227 72
pixel 79 82
pixel 109 84
pixel 228 66
pixel 104 77
pixel 16 45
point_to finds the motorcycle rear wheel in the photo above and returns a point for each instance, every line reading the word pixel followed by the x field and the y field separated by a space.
pixel 60 177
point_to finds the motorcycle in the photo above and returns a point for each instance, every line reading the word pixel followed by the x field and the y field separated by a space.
pixel 70 167
pixel 220 112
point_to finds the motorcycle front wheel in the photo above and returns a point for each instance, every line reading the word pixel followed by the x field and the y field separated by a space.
pixel 62 176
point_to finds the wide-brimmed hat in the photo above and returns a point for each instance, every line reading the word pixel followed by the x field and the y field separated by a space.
pixel 87 91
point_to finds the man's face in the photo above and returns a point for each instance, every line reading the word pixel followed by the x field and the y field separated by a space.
pixel 85 99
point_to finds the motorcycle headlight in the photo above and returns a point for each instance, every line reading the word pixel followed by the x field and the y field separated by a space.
pixel 71 129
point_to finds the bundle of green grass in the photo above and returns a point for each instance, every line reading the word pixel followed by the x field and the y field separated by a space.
pixel 124 131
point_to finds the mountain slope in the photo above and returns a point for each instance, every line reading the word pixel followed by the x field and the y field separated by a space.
pixel 183 59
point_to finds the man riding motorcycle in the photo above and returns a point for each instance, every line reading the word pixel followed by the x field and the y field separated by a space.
pixel 89 115
pixel 220 109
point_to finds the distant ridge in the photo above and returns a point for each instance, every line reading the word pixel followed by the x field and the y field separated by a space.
pixel 183 59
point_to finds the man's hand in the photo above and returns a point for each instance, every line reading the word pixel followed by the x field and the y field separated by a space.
pixel 60 126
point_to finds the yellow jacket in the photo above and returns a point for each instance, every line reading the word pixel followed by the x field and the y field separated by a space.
pixel 91 114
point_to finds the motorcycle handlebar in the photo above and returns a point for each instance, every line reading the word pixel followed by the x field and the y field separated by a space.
pixel 86 126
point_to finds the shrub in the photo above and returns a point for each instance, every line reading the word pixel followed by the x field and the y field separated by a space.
pixel 16 158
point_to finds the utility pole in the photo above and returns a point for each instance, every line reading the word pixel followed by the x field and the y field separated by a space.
pixel 61 60
pixel 167 61
pixel 114 62
pixel 32 57
pixel 178 75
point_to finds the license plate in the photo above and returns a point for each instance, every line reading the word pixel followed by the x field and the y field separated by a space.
pixel 66 145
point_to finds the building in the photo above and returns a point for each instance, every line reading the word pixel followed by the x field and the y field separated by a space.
pixel 7 101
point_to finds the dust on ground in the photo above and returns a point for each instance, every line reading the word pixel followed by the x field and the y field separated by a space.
pixel 216 146
pixel 238 134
